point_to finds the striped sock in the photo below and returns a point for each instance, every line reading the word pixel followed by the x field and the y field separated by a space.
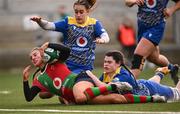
pixel 137 98
pixel 96 91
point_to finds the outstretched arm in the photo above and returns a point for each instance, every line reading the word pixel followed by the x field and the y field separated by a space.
pixel 131 3
pixel 44 24
pixel 29 93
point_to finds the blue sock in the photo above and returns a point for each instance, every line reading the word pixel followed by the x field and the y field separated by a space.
pixel 170 66
pixel 160 74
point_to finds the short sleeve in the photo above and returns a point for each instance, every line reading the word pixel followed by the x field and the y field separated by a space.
pixel 60 26
pixel 99 29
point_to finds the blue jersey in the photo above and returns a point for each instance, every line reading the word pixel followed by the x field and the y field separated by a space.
pixel 151 13
pixel 140 87
pixel 80 39
pixel 121 75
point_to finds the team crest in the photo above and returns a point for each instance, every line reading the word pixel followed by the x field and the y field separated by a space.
pixel 151 3
pixel 81 41
pixel 57 83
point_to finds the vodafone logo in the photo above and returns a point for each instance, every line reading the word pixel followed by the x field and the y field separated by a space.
pixel 81 41
pixel 151 3
pixel 57 83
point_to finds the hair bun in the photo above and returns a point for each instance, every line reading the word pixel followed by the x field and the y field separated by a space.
pixel 91 2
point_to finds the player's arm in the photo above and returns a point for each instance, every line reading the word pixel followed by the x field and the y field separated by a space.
pixel 169 11
pixel 29 93
pixel 131 3
pixel 64 50
pixel 101 35
pixel 95 79
pixel 44 24
pixel 104 38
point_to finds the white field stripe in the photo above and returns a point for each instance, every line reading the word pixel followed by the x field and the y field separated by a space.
pixel 5 92
pixel 84 111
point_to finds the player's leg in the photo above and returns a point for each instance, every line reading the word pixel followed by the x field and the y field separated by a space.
pixel 160 72
pixel 143 50
pixel 113 87
pixel 82 82
pixel 158 59
pixel 108 99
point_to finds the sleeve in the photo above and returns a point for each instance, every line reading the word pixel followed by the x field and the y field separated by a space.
pixel 30 93
pixel 60 26
pixel 99 29
pixel 64 50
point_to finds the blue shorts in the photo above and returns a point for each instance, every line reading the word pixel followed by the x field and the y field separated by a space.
pixel 152 33
pixel 78 69
pixel 156 88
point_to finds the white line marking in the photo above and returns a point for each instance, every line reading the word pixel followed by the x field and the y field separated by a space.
pixel 5 92
pixel 84 111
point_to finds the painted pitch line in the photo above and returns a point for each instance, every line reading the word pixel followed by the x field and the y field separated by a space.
pixel 84 111
pixel 5 92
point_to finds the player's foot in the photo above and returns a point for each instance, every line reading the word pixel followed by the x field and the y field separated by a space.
pixel 163 70
pixel 158 99
pixel 123 86
pixel 174 73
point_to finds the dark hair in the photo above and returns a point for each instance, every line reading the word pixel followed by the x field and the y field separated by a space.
pixel 117 56
pixel 87 3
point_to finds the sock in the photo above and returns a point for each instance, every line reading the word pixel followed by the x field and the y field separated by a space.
pixel 96 91
pixel 170 66
pixel 137 98
pixel 160 74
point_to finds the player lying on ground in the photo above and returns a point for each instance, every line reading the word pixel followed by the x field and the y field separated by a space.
pixel 115 71
pixel 54 78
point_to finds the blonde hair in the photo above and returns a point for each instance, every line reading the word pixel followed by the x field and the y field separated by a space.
pixel 39 49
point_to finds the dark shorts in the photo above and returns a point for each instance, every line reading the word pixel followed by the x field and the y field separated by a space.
pixel 153 33
pixel 83 76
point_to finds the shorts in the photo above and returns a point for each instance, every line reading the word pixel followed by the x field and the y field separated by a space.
pixel 151 33
pixel 77 68
pixel 83 76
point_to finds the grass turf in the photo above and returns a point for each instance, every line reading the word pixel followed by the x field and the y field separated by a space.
pixel 12 82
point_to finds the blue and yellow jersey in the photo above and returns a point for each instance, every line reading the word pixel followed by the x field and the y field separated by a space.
pixel 120 75
pixel 80 38
pixel 151 13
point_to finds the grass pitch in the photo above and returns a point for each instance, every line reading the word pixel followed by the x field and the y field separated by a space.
pixel 11 97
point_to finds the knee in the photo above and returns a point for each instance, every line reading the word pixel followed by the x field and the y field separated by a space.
pixel 138 62
pixel 118 99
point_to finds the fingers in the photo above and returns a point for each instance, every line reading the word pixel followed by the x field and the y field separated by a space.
pixel 100 41
pixel 26 72
pixel 36 18
pixel 140 2
pixel 45 45
pixel 167 13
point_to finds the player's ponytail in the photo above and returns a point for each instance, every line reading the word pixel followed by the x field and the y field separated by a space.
pixel 87 3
